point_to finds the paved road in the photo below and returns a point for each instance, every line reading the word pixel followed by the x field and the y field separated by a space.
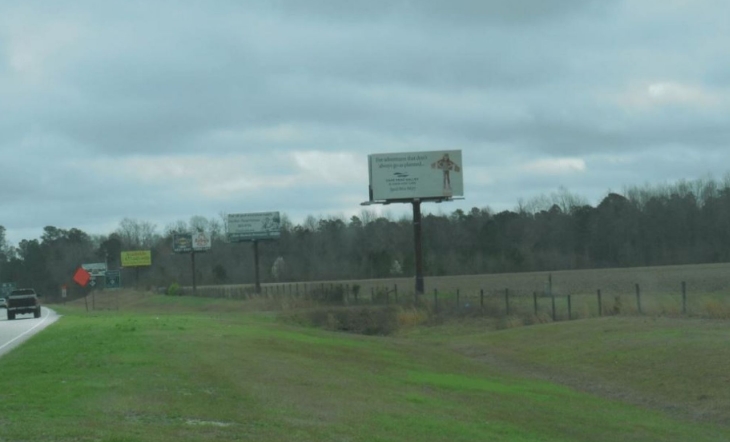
pixel 13 333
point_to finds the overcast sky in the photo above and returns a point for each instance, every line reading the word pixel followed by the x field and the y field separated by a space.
pixel 161 110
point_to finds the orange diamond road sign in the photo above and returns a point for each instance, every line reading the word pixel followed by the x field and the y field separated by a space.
pixel 82 277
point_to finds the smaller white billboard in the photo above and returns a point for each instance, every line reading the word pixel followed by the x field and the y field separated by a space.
pixel 201 241
pixel 95 269
pixel 253 226
pixel 408 175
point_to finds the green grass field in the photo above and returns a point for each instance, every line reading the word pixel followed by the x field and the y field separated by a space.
pixel 176 369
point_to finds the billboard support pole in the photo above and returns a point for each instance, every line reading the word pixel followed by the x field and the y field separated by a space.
pixel 256 267
pixel 192 259
pixel 417 240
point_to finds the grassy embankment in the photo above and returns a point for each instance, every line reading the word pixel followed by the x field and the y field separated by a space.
pixel 172 369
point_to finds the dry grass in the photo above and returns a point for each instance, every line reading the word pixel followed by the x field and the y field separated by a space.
pixel 411 317
pixel 703 278
pixel 707 289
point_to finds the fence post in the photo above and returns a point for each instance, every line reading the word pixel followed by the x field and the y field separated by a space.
pixel 481 298
pixel 435 299
pixel 506 300
pixel 638 298
pixel 550 284
pixel 534 301
pixel 372 295
pixel 395 290
pixel 570 309
pixel 684 297
pixel 600 305
pixel 552 298
pixel 458 304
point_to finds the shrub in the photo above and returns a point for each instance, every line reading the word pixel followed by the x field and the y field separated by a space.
pixel 716 309
pixel 327 295
pixel 510 322
pixel 540 318
pixel 410 317
pixel 361 320
pixel 174 290
pixel 381 296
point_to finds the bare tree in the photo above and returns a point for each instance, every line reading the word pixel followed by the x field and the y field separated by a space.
pixel 199 223
pixel 136 234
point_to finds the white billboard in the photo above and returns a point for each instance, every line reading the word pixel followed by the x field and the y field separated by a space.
pixel 408 175
pixel 251 226
pixel 201 241
pixel 95 269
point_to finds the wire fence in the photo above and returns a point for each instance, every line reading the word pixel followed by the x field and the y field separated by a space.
pixel 499 302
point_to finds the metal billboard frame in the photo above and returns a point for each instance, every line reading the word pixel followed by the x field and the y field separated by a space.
pixel 416 204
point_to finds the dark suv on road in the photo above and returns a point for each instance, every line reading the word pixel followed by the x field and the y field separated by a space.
pixel 22 301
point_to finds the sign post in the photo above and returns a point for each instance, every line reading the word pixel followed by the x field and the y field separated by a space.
pixel 201 242
pixel 82 278
pixel 415 177
pixel 183 243
pixel 191 243
pixel 97 270
pixel 254 227
pixel 418 241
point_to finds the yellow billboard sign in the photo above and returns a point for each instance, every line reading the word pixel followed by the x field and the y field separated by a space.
pixel 137 258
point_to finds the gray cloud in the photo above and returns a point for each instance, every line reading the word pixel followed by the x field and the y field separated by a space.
pixel 455 11
pixel 161 110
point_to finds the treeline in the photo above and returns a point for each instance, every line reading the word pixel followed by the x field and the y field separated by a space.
pixel 684 223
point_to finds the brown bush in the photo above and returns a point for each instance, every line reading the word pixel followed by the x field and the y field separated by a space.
pixel 379 320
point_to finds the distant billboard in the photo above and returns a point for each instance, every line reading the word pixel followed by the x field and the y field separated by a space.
pixel 95 269
pixel 408 175
pixel 182 243
pixel 137 258
pixel 191 242
pixel 253 226
pixel 202 241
